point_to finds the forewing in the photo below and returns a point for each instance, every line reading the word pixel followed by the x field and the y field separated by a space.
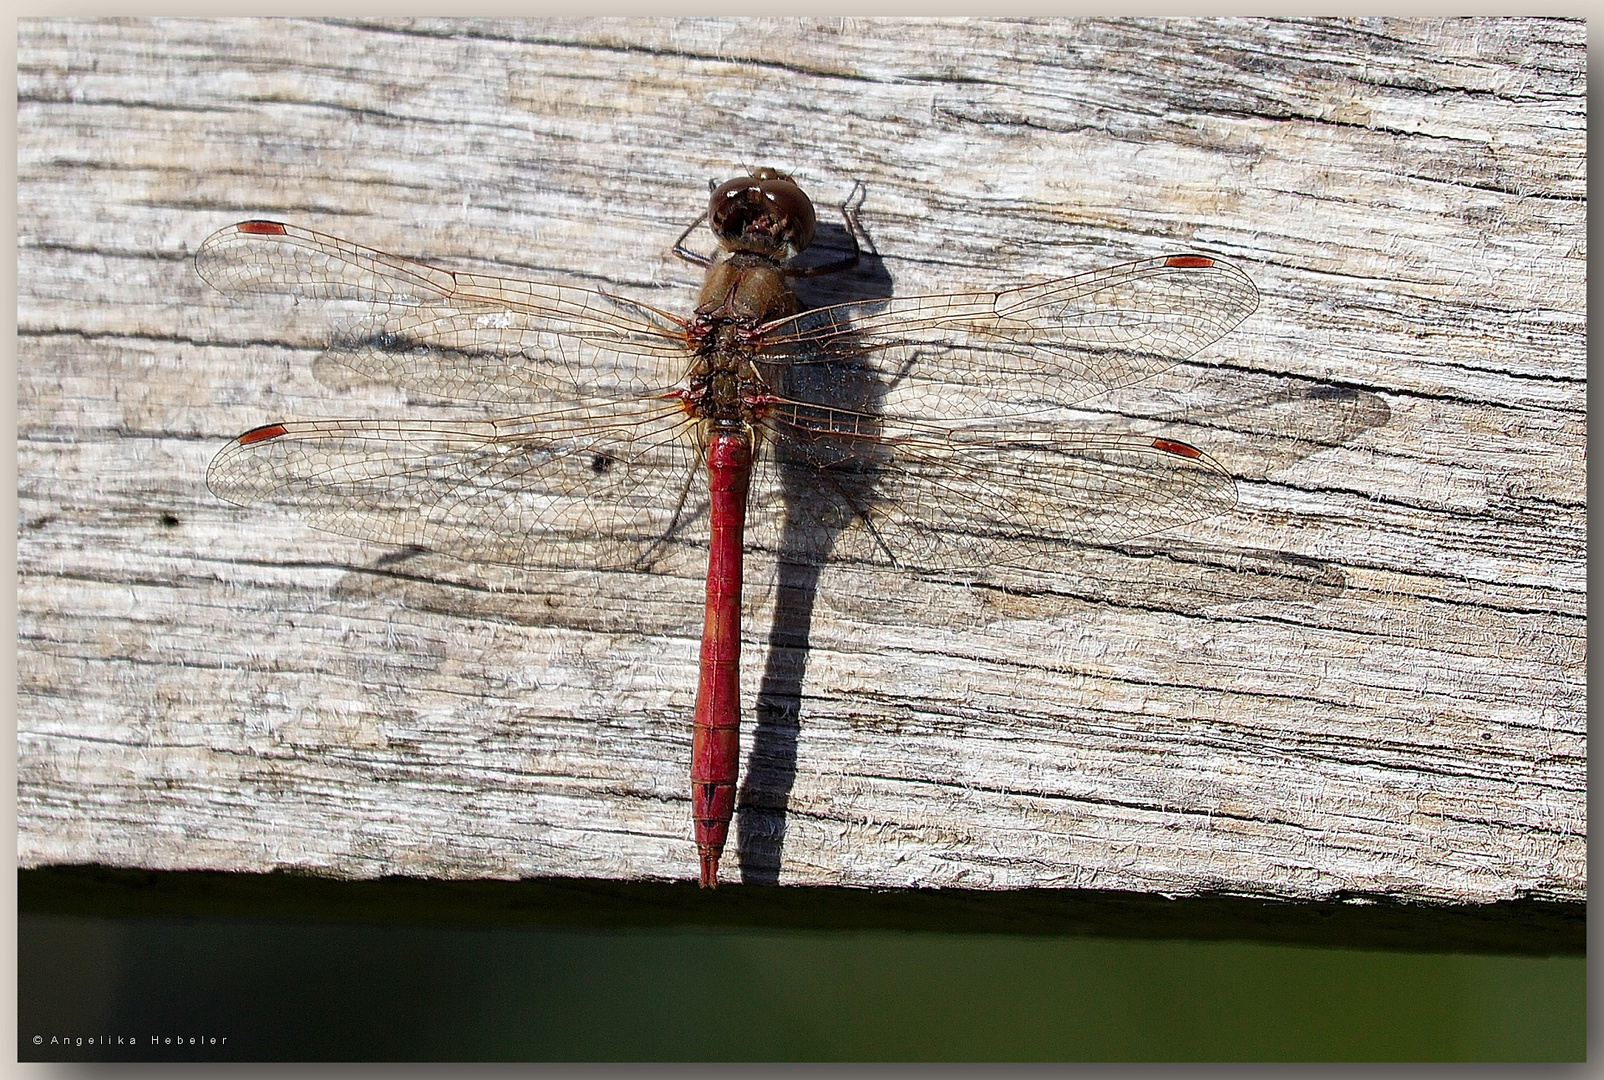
pixel 1018 351
pixel 459 337
pixel 592 488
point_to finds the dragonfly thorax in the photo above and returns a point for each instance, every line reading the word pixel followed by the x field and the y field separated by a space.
pixel 745 288
pixel 743 291
pixel 724 385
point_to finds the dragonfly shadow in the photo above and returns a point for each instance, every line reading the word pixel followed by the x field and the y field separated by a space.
pixel 818 486
pixel 1291 418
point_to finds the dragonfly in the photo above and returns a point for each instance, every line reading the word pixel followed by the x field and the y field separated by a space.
pixel 924 434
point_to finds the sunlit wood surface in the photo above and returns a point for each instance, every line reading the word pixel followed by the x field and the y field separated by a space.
pixel 1370 678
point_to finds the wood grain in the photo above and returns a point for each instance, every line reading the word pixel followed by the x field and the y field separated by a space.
pixel 1367 680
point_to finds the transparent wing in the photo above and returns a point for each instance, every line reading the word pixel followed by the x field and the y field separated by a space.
pixel 588 488
pixel 886 493
pixel 1025 350
pixel 459 337
pixel 899 432
pixel 903 434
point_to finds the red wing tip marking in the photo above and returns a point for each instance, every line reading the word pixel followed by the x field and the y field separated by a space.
pixel 1171 446
pixel 261 228
pixel 261 434
pixel 1189 262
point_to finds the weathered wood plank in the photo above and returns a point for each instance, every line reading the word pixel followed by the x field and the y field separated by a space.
pixel 1370 678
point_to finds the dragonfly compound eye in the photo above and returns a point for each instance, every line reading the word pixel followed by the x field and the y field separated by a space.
pixel 765 212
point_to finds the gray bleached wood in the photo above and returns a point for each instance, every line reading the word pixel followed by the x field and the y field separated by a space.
pixel 1369 679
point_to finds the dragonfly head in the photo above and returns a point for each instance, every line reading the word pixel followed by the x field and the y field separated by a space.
pixel 765 213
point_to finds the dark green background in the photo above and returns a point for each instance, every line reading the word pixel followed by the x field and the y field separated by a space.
pixel 295 968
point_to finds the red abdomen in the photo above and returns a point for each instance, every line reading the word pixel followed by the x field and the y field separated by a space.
pixel 716 736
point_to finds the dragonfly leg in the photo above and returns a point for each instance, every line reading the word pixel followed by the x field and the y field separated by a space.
pixel 694 257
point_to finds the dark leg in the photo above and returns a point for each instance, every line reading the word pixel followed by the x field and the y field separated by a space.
pixel 686 253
